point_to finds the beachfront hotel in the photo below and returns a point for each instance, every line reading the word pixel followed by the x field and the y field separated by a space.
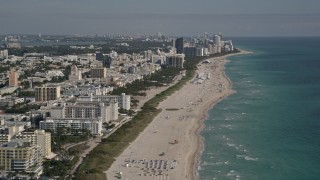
pixel 83 110
pixel 76 125
pixel 123 100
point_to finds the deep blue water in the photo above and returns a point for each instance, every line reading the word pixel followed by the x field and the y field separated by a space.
pixel 270 128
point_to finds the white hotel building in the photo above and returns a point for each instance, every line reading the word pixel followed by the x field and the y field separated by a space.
pixel 123 100
pixel 75 124
pixel 80 115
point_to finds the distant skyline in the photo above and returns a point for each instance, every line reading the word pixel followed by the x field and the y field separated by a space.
pixel 170 17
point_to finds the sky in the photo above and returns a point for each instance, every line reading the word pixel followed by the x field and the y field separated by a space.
pixel 170 17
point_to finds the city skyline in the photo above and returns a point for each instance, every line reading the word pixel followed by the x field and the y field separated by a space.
pixel 234 18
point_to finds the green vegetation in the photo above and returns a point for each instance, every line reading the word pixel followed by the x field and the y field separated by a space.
pixel 4 69
pixel 160 78
pixel 59 167
pixel 26 94
pixel 124 111
pixel 21 108
pixel 66 136
pixel 106 45
pixel 78 149
pixel 102 157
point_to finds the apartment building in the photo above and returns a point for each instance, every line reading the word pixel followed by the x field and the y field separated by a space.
pixel 98 72
pixel 123 100
pixel 47 92
pixel 175 60
pixel 8 132
pixel 13 77
pixel 40 138
pixel 74 124
pixel 21 156
pixel 85 109
pixel 4 54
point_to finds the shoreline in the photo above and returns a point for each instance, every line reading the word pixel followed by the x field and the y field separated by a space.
pixel 200 125
pixel 173 137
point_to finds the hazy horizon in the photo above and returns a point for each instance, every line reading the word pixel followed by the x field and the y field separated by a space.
pixel 177 17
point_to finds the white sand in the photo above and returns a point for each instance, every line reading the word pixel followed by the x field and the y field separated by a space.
pixel 175 134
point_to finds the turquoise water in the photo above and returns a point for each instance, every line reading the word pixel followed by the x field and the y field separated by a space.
pixel 270 128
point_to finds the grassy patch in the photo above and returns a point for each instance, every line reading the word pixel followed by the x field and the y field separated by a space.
pixel 78 149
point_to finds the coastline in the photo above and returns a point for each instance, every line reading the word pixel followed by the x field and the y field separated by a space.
pixel 173 137
pixel 200 125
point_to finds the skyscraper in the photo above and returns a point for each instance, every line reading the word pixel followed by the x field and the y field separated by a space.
pixel 179 45
pixel 217 43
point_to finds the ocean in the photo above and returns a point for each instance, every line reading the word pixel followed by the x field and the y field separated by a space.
pixel 270 128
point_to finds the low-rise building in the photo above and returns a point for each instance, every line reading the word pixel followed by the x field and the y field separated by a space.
pixel 7 133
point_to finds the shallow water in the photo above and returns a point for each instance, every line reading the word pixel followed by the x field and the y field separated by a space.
pixel 270 128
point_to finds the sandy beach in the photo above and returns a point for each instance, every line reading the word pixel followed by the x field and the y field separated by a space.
pixel 169 147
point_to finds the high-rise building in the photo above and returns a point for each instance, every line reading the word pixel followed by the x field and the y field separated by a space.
pixel 13 77
pixel 21 156
pixel 40 138
pixel 47 93
pixel 148 54
pixel 98 72
pixel 175 60
pixel 217 43
pixel 217 39
pixel 107 62
pixel 200 51
pixel 220 34
pixel 4 54
pixel 75 74
pixel 190 52
pixel 99 56
pixel 179 45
